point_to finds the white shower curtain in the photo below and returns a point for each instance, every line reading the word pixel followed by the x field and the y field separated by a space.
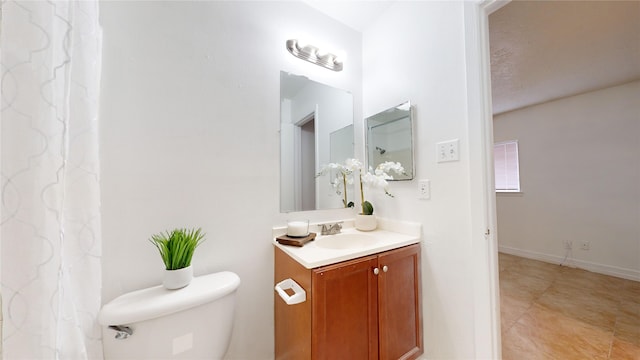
pixel 50 218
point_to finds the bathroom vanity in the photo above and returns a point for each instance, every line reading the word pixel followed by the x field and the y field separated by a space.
pixel 362 297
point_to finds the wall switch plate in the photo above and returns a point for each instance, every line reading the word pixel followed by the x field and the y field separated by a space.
pixel 585 245
pixel 424 189
pixel 448 150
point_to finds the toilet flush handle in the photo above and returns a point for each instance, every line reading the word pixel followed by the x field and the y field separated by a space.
pixel 122 332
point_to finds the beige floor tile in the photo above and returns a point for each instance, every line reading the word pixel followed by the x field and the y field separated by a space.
pixel 628 322
pixel 511 309
pixel 581 305
pixel 543 334
pixel 537 269
pixel 552 312
pixel 506 261
pixel 583 279
pixel 621 350
pixel 631 291
pixel 521 286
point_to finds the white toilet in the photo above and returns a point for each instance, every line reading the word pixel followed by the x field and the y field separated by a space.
pixel 194 322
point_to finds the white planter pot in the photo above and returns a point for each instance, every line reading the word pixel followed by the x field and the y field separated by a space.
pixel 176 279
pixel 366 222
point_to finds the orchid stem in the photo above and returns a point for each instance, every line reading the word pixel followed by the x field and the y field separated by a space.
pixel 344 183
pixel 361 194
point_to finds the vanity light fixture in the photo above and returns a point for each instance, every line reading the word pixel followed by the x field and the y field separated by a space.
pixel 314 55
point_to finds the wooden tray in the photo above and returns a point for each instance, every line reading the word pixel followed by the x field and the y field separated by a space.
pixel 295 241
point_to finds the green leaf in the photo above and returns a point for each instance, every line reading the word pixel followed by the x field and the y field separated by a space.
pixel 177 247
pixel 367 208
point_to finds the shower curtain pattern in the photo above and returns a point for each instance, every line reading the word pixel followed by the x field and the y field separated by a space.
pixel 50 219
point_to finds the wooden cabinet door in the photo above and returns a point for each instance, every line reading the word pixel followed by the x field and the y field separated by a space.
pixel 400 315
pixel 345 311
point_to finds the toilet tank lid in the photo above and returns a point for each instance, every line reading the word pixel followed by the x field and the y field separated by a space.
pixel 153 302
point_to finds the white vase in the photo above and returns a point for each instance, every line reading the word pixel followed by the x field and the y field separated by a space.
pixel 179 278
pixel 366 222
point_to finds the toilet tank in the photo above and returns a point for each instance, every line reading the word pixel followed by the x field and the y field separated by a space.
pixel 194 322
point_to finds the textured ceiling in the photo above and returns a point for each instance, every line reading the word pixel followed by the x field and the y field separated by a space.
pixel 541 50
pixel 357 14
pixel 545 50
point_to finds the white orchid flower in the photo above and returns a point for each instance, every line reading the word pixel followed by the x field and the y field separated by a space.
pixel 372 179
pixel 389 166
pixel 352 165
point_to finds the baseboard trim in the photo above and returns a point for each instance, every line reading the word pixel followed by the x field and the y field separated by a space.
pixel 629 274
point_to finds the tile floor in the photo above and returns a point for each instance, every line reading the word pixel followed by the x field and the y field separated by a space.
pixel 557 312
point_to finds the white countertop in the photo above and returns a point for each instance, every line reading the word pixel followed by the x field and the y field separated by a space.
pixel 389 235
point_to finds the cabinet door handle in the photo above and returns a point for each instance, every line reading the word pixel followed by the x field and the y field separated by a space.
pixel 376 271
pixel 385 268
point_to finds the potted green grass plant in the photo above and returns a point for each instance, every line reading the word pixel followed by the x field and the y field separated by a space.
pixel 176 249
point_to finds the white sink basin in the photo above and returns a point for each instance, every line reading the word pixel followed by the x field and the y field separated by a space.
pixel 346 241
pixel 351 243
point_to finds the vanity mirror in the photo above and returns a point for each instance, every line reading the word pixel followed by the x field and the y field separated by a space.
pixel 316 128
pixel 390 138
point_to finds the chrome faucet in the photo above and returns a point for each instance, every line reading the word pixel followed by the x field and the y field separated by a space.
pixel 331 229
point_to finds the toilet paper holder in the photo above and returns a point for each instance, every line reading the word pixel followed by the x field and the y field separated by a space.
pixel 299 295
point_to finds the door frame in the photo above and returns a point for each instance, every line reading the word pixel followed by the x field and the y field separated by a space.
pixel 484 261
pixel 298 158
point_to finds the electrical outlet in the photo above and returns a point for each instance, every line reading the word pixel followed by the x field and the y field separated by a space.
pixel 568 244
pixel 424 188
pixel 448 150
pixel 585 245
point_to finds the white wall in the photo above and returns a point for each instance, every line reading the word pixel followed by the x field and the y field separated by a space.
pixel 580 176
pixel 416 52
pixel 190 118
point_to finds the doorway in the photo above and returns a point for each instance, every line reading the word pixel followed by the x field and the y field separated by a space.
pixel 306 163
pixel 554 217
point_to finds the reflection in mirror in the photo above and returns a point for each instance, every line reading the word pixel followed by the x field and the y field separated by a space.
pixel 389 138
pixel 341 144
pixel 316 128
